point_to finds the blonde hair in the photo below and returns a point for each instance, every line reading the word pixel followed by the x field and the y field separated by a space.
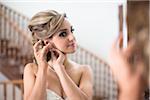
pixel 44 24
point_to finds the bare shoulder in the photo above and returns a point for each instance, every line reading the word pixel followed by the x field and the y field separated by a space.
pixel 83 68
pixel 30 68
pixel 86 69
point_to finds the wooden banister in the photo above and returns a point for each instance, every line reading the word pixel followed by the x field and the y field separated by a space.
pixel 13 10
pixel 26 38
pixel 14 83
pixel 16 27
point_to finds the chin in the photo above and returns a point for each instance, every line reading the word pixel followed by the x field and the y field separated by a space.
pixel 70 51
pixel 73 51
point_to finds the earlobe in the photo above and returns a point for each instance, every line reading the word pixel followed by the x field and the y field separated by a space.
pixel 46 41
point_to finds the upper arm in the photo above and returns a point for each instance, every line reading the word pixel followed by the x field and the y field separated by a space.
pixel 29 80
pixel 86 82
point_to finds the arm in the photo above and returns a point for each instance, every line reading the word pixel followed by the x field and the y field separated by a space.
pixel 86 82
pixel 73 92
pixel 35 88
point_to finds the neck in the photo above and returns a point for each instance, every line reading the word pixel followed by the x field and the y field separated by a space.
pixel 66 63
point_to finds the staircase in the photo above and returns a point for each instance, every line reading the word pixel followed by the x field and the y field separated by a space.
pixel 16 51
pixel 15 48
pixel 13 60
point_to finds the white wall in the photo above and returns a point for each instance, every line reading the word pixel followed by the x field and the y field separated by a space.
pixel 95 22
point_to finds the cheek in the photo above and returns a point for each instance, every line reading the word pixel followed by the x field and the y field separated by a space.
pixel 60 45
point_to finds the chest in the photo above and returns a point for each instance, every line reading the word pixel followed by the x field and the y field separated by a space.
pixel 54 84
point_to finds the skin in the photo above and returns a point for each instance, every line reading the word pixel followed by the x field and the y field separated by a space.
pixel 61 75
pixel 130 82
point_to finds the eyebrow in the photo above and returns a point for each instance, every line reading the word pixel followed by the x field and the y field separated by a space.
pixel 65 28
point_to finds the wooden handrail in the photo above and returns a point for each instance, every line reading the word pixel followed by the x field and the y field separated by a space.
pixel 21 15
pixel 14 83
pixel 16 27
pixel 11 82
pixel 20 31
pixel 92 54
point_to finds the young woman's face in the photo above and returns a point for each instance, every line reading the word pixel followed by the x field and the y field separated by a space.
pixel 64 39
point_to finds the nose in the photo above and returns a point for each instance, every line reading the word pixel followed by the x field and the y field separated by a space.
pixel 71 37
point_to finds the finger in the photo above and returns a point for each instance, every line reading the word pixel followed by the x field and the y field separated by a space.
pixel 50 45
pixel 114 48
pixel 56 50
pixel 60 56
pixel 48 48
pixel 139 71
pixel 53 56
pixel 120 40
pixel 117 41
pixel 36 46
pixel 130 48
pixel 45 50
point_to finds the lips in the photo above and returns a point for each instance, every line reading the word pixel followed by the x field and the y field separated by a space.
pixel 72 44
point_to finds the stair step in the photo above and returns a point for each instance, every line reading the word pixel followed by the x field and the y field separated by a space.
pixel 3 45
pixel 12 52
pixel 12 61
pixel 12 71
pixel 25 59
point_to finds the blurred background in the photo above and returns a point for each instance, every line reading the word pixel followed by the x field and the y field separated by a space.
pixel 97 24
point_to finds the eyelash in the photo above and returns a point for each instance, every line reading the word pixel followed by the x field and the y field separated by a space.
pixel 61 34
pixel 72 29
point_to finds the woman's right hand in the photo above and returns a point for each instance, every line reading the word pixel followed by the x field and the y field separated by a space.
pixel 40 53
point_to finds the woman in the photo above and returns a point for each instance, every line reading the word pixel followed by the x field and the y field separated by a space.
pixel 54 76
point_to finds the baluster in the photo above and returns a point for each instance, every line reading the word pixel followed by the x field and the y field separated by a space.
pixel 23 24
pixel 6 24
pixel 10 26
pixel 14 92
pixel 76 55
pixel 19 42
pixel 14 29
pixel 16 32
pixel 5 91
pixel 4 12
pixel 1 21
pixel 26 27
pixel 21 87
pixel 79 56
pixel 86 58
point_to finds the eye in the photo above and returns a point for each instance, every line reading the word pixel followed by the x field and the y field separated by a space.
pixel 72 29
pixel 63 34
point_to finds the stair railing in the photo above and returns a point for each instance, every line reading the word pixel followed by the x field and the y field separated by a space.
pixel 17 90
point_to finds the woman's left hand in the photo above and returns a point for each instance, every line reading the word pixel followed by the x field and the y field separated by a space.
pixel 130 77
pixel 57 59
